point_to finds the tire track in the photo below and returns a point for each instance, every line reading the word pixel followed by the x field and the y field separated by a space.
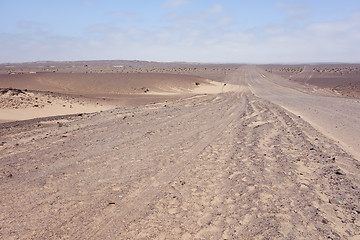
pixel 131 209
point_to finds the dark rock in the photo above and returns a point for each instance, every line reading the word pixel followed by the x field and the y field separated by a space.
pixel 339 172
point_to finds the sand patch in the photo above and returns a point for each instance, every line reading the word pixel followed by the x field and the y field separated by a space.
pixel 26 96
pixel 16 104
pixel 206 87
pixel 7 115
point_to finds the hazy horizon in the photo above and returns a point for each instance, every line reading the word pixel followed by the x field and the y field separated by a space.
pixel 185 62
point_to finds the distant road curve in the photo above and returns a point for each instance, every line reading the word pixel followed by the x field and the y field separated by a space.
pixel 336 117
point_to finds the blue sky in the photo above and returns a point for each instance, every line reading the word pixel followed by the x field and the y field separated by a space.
pixel 243 31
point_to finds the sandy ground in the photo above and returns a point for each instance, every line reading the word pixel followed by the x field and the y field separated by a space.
pixel 27 96
pixel 16 104
pixel 238 164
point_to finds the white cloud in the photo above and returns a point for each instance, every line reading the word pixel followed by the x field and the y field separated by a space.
pixel 175 3
pixel 215 9
pixel 294 10
pixel 225 21
pixel 212 18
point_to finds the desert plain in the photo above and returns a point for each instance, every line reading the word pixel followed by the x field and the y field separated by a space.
pixel 147 150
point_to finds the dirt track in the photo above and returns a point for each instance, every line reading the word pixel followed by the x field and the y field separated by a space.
pixel 225 166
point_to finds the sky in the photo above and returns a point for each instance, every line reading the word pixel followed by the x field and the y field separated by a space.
pixel 226 31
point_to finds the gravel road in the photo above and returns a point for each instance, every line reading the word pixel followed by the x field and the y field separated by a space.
pixel 235 165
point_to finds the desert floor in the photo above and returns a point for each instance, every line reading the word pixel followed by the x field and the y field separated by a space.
pixel 208 152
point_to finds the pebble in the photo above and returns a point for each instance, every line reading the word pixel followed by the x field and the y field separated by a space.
pixel 335 201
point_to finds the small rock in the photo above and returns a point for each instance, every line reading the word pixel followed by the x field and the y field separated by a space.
pixel 339 172
pixel 335 201
pixel 10 175
pixel 111 203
